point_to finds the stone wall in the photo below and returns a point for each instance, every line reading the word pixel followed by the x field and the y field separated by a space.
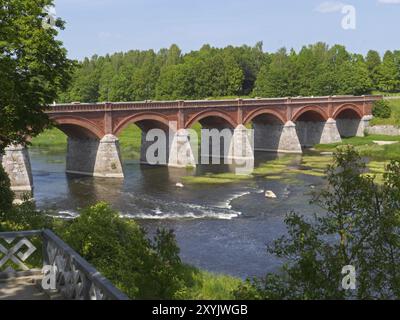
pixel 384 130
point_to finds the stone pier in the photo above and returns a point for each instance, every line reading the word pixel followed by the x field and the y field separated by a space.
pixel 330 132
pixel 16 163
pixel 92 157
pixel 311 133
pixel 276 138
pixel 241 153
pixel 181 152
pixel 215 145
pixel 154 148
pixel 353 127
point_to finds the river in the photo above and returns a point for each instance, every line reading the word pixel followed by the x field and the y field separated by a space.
pixel 220 228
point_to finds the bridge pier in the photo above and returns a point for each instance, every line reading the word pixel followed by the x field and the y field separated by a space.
pixel 17 165
pixel 276 138
pixel 240 152
pixel 330 132
pixel 92 157
pixel 181 154
pixel 311 133
pixel 353 127
pixel 364 124
pixel 154 148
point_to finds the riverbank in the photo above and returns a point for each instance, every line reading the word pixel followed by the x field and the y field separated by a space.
pixel 394 118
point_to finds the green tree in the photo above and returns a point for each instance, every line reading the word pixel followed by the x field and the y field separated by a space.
pixel 373 61
pixel 389 73
pixel 33 68
pixel 278 78
pixel 360 227
pixel 381 109
pixel 176 82
pixel 353 77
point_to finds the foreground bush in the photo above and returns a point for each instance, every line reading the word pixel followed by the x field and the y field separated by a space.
pixel 360 228
pixel 120 250
pixel 381 109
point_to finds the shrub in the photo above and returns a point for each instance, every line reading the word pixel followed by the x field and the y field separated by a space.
pixel 6 195
pixel 381 109
pixel 25 217
pixel 120 250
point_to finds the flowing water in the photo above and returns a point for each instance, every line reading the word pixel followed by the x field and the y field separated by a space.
pixel 220 228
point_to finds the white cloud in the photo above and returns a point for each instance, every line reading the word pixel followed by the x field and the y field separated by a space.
pixel 331 6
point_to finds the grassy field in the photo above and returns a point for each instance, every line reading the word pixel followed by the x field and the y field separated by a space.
pixel 395 117
pixel 367 148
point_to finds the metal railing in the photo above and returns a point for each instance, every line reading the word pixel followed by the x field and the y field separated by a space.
pixel 74 277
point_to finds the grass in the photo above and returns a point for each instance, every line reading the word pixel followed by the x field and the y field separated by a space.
pixel 216 178
pixel 367 148
pixel 394 118
pixel 210 286
pixel 386 94
pixel 53 138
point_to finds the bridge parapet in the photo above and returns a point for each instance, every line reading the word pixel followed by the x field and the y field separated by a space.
pixel 74 277
pixel 291 101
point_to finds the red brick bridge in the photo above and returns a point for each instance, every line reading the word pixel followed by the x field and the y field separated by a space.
pixel 280 125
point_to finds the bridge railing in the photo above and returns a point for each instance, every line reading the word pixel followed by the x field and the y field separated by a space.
pixel 144 105
pixel 74 277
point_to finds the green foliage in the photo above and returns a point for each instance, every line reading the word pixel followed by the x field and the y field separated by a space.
pixel 25 217
pixel 381 109
pixel 360 227
pixel 315 70
pixel 233 71
pixel 389 72
pixel 56 140
pixel 6 195
pixel 209 286
pixel 33 68
pixel 120 250
pixel 167 74
pixel 373 61
pixel 395 115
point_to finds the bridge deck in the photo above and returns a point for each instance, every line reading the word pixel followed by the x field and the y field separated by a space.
pixel 23 288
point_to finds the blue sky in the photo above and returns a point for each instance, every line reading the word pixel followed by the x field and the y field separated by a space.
pixel 107 26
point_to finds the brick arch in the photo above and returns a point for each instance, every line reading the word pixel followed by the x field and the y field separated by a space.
pixel 347 106
pixel 149 116
pixel 262 111
pixel 211 113
pixel 314 109
pixel 83 126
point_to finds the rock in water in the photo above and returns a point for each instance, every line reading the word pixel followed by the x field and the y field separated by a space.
pixel 270 194
pixel 179 185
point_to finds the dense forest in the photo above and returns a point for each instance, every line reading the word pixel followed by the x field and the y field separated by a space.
pixel 169 74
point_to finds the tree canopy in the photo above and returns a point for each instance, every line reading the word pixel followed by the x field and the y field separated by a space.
pixel 317 69
pixel 33 68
